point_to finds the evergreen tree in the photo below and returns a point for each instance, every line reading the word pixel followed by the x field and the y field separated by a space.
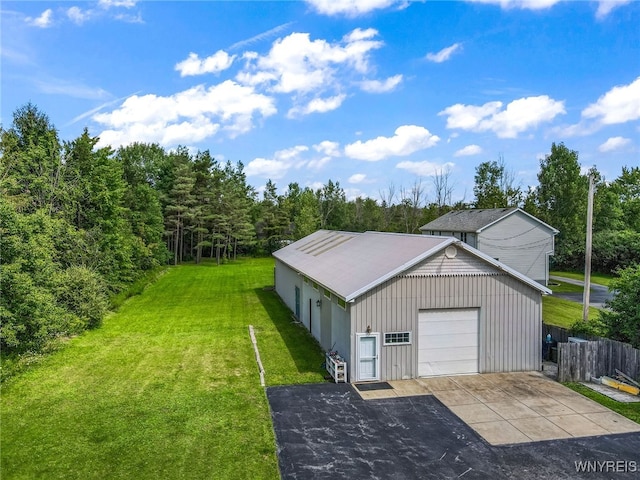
pixel 31 162
pixel 179 209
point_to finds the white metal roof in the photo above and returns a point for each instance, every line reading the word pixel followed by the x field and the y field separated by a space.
pixel 350 264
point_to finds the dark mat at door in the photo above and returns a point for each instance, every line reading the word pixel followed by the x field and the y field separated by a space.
pixel 368 387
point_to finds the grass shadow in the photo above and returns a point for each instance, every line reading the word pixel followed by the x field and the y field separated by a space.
pixel 302 347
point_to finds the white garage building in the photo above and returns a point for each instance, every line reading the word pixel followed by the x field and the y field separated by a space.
pixel 401 306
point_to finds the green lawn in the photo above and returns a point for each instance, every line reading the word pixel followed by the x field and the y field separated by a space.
pixel 562 287
pixel 563 313
pixel 168 387
pixel 599 278
pixel 629 410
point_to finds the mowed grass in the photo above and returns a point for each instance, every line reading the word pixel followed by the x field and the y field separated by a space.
pixel 629 410
pixel 167 388
pixel 599 278
pixel 563 313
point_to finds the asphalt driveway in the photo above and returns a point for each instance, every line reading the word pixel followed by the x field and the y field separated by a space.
pixel 598 295
pixel 330 431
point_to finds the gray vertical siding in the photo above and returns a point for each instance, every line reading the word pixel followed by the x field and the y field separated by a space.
pixel 336 318
pixel 510 323
pixel 340 331
pixel 286 281
pixel 521 243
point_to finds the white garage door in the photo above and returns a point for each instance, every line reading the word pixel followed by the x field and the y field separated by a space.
pixel 447 342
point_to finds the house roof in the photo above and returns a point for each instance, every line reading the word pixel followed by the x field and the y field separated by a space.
pixel 476 220
pixel 350 264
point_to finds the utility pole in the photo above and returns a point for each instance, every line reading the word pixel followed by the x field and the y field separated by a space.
pixel 587 255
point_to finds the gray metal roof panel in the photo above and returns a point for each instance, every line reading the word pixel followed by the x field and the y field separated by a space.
pixel 350 264
pixel 347 262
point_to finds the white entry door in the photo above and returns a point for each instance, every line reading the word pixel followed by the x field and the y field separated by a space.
pixel 447 342
pixel 368 345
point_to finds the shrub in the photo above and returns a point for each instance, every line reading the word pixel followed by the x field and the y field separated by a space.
pixel 622 321
pixel 82 292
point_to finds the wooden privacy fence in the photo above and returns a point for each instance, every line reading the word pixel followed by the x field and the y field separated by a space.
pixel 579 362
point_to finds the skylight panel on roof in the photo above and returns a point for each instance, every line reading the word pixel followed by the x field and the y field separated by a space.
pixel 338 241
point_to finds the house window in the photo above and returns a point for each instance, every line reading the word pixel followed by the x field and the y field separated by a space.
pixel 463 237
pixel 327 293
pixel 342 303
pixel 397 338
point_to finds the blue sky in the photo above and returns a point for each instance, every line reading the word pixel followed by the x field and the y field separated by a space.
pixel 370 93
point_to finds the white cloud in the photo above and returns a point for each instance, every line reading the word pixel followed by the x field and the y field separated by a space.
pixel 444 54
pixel 45 19
pixel 327 147
pixel 297 64
pixel 522 4
pixel 279 165
pixel 318 163
pixel 262 167
pixel 78 16
pixel 468 117
pixel 137 18
pixel 160 132
pixel 357 178
pixel 328 150
pixel 56 86
pixel 518 116
pixel 619 105
pixel 468 151
pixel 291 153
pixel 378 86
pixel 317 105
pixel 614 143
pixel 117 3
pixel 312 71
pixel 407 140
pixel 352 193
pixel 425 168
pixel 108 8
pixel 261 36
pixel 353 8
pixel 188 116
pixel 194 65
pixel 606 6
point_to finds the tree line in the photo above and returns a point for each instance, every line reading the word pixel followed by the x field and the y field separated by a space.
pixel 80 223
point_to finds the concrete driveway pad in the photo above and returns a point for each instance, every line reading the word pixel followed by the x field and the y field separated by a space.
pixel 513 409
pixel 535 407
pixel 612 422
pixel 329 431
pixel 539 428
pixel 577 425
pixel 475 413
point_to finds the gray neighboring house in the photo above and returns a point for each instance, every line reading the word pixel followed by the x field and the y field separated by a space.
pixel 399 306
pixel 509 235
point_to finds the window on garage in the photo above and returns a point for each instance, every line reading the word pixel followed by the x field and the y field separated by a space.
pixel 397 338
